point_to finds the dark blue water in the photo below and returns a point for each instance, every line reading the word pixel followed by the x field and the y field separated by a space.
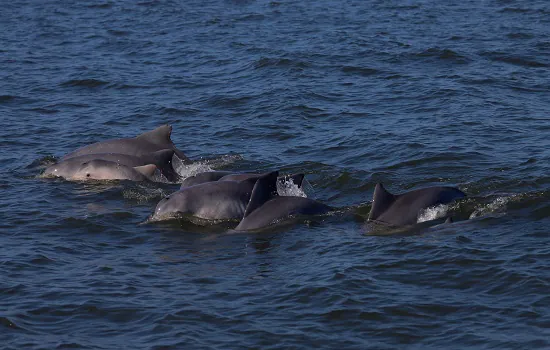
pixel 408 93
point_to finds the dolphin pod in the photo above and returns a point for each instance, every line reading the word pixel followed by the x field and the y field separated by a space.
pixel 247 198
pixel 266 208
pixel 161 159
pixel 211 176
pixel 217 200
pixel 151 148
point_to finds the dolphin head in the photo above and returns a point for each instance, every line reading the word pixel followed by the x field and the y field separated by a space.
pixel 78 170
pixel 62 169
pixel 169 206
pixel 94 170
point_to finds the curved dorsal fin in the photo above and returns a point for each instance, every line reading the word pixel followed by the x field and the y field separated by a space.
pixel 296 179
pixel 164 156
pixel 147 170
pixel 159 136
pixel 381 201
pixel 264 189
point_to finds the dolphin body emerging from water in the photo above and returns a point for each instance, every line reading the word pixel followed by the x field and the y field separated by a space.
pixel 218 200
pixel 264 208
pixel 404 209
pixel 98 169
pixel 207 176
pixel 211 176
pixel 161 159
pixel 152 141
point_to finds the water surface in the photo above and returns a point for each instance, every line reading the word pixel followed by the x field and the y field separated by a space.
pixel 411 94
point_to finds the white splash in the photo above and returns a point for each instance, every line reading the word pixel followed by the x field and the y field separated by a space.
pixel 433 213
pixel 289 188
pixel 158 176
pixel 496 206
pixel 187 170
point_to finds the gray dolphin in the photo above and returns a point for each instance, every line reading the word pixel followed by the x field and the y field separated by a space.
pixel 218 200
pixel 161 159
pixel 404 209
pixel 207 176
pixel 297 179
pixel 98 169
pixel 265 209
pixel 148 142
pixel 210 176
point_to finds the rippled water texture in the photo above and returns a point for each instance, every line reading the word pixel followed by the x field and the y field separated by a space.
pixel 408 93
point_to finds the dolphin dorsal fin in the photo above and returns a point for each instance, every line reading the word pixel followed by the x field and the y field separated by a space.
pixel 264 189
pixel 159 136
pixel 381 201
pixel 298 179
pixel 163 156
pixel 147 170
pixel 449 220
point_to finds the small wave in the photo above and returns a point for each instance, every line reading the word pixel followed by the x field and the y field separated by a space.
pixel 129 86
pixel 443 54
pixel 229 101
pixel 42 260
pixel 363 71
pixel 107 5
pixel 431 159
pixel 148 3
pixel 250 17
pixel 178 111
pixel 6 322
pixel 44 110
pixel 515 60
pixel 403 7
pixel 514 10
pixel 279 62
pixel 495 207
pixel 91 83
pixel 519 35
pixel 7 98
pixel 116 32
pixel 144 196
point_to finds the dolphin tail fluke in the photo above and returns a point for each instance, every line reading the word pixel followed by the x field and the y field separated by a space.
pixel 147 170
pixel 264 189
pixel 381 201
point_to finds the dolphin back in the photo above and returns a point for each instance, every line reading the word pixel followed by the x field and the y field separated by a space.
pixel 404 209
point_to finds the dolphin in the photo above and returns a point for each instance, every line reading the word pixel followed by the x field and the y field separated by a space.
pixel 218 200
pixel 99 169
pixel 148 142
pixel 404 209
pixel 210 176
pixel 161 159
pixel 297 179
pixel 207 176
pixel 264 208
